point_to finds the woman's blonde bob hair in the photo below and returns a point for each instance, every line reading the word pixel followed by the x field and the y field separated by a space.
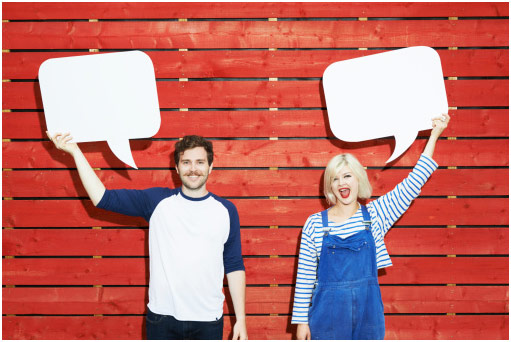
pixel 335 165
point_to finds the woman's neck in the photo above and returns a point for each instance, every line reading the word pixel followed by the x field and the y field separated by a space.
pixel 341 212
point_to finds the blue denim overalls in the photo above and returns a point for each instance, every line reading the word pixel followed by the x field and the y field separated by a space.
pixel 346 303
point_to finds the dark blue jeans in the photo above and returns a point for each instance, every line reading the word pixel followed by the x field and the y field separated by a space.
pixel 163 327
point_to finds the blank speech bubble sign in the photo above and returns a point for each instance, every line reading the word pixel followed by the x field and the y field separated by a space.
pixel 109 96
pixel 394 93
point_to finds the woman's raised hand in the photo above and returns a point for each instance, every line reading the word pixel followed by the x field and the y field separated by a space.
pixel 439 124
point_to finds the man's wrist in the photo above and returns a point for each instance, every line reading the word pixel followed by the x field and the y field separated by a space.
pixel 75 152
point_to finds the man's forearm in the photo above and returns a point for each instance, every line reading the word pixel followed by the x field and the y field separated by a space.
pixel 237 285
pixel 236 281
pixel 91 182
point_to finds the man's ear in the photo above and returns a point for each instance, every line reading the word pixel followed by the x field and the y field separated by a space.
pixel 210 168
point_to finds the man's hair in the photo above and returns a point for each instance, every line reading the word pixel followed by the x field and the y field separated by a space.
pixel 335 165
pixel 191 141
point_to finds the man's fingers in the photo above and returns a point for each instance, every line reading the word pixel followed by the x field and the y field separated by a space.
pixel 67 139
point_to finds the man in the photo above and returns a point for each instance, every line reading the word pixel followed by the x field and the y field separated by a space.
pixel 194 237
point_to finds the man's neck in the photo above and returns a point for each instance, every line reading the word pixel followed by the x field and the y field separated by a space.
pixel 198 193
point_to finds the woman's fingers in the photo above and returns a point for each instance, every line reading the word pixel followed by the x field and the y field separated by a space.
pixel 441 120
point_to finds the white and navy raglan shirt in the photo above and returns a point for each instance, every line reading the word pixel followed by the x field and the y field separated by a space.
pixel 384 211
pixel 192 243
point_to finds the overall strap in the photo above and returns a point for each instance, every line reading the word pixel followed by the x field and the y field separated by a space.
pixel 324 221
pixel 367 217
pixel 326 230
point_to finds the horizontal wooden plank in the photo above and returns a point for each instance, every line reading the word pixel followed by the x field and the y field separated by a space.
pixel 250 63
pixel 265 123
pixel 254 241
pixel 66 183
pixel 281 63
pixel 447 327
pixel 259 300
pixel 129 10
pixel 77 301
pixel 281 212
pixel 135 271
pixel 129 300
pixel 478 122
pixel 264 94
pixel 253 34
pixel 259 327
pixel 445 299
pixel 450 241
pixel 262 153
pixel 66 328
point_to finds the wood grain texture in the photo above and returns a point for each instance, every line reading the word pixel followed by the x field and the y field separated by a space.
pixel 259 300
pixel 426 327
pixel 227 183
pixel 264 123
pixel 303 153
pixel 264 94
pixel 135 271
pixel 128 10
pixel 254 241
pixel 229 93
pixel 253 34
pixel 270 212
pixel 250 63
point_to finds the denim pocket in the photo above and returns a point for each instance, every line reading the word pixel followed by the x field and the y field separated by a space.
pixel 153 318
pixel 347 260
pixel 355 246
pixel 217 322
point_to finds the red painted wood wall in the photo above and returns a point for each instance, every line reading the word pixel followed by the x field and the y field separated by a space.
pixel 248 76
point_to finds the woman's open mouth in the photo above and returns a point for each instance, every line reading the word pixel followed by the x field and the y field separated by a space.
pixel 345 192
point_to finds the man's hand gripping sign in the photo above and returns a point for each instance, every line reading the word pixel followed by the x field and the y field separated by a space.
pixel 100 97
pixel 394 93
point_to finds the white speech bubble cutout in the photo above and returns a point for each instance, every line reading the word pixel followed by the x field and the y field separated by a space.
pixel 109 96
pixel 394 93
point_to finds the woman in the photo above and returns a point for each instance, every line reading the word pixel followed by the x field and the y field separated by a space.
pixel 342 249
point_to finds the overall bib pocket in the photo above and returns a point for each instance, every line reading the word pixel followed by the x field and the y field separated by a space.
pixel 343 258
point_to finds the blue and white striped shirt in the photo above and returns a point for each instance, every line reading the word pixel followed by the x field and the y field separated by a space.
pixel 384 212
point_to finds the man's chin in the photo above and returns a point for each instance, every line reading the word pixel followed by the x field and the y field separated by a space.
pixel 193 187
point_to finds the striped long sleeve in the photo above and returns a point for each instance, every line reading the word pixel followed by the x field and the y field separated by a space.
pixel 384 211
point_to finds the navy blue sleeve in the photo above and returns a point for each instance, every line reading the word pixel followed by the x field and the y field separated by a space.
pixel 233 261
pixel 134 202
